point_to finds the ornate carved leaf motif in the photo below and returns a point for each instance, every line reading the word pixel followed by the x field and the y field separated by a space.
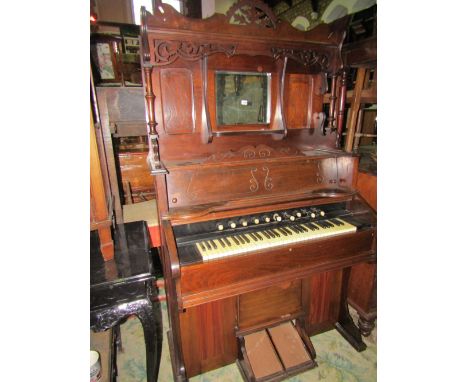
pixel 166 52
pixel 253 152
pixel 255 12
pixel 305 57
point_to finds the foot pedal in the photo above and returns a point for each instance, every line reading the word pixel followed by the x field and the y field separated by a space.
pixel 275 353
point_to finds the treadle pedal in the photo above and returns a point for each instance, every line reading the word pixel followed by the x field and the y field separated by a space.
pixel 274 353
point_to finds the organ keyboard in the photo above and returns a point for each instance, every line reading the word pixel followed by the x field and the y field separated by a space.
pixel 201 242
pixel 255 240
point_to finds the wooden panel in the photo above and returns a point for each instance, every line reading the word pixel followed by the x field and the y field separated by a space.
pixel 269 303
pixel 177 100
pixel 250 180
pixel 208 338
pixel 361 293
pixel 297 92
pixel 325 292
pixel 367 186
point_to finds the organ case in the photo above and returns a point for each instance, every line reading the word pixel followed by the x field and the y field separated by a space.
pixel 260 219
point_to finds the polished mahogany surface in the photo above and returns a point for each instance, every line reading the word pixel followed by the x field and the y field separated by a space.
pixel 209 174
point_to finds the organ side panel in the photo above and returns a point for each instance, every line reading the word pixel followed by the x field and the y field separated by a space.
pixel 208 335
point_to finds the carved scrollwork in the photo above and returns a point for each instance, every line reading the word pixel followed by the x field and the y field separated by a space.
pixel 319 174
pixel 166 52
pixel 253 181
pixel 253 152
pixel 307 57
pixel 268 182
pixel 255 12
pixel 103 319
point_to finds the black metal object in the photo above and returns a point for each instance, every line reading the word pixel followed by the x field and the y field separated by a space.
pixel 124 286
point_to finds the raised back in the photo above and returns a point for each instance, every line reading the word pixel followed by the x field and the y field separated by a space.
pixel 207 162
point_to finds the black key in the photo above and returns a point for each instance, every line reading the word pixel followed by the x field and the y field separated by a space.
pixel 295 229
pixel 336 222
pixel 239 237
pixel 262 235
pixel 228 243
pixel 276 233
pixel 235 240
pixel 272 233
pixel 283 231
pixel 258 235
pixel 300 228
pixel 313 227
pixel 288 230
pixel 222 243
pixel 252 235
pixel 266 234
pixel 213 244
pixel 245 238
pixel 208 244
pixel 321 224
pixel 306 229
pixel 203 247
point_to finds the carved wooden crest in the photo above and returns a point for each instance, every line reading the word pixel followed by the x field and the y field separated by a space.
pixel 255 12
pixel 253 152
pixel 166 52
pixel 307 57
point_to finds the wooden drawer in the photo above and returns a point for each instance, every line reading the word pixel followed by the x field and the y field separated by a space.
pixel 270 304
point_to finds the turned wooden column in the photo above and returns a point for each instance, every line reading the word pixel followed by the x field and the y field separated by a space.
pixel 331 110
pixel 354 109
pixel 341 109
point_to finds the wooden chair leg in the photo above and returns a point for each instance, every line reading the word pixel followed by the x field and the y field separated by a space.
pixel 128 193
pixel 107 244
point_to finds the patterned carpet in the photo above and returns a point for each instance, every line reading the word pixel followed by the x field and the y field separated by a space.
pixel 337 360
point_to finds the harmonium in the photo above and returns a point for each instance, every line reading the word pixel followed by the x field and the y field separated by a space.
pixel 261 224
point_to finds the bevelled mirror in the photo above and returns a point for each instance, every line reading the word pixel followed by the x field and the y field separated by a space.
pixel 242 98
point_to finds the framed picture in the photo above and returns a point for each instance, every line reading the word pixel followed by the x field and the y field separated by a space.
pixel 105 53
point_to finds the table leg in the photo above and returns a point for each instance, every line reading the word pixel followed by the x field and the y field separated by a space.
pixel 149 322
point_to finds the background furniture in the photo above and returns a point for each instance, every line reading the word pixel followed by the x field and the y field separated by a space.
pixel 101 198
pixel 124 286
